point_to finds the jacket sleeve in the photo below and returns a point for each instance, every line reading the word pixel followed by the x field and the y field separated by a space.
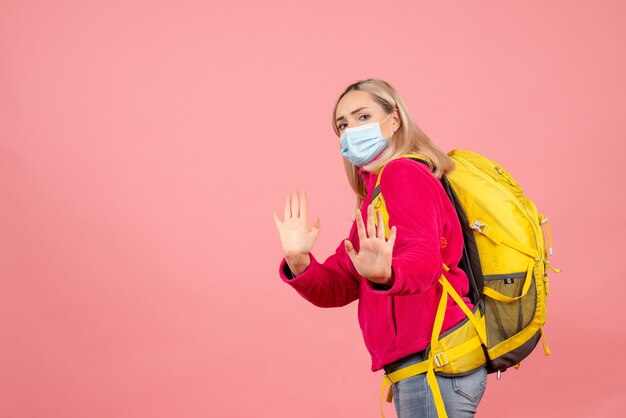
pixel 329 284
pixel 414 206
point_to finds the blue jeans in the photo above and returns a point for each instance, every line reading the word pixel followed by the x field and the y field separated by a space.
pixel 413 398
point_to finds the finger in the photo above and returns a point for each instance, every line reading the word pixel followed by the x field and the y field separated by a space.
pixel 381 224
pixel 360 227
pixel 276 219
pixel 371 228
pixel 288 207
pixel 392 236
pixel 295 205
pixel 303 211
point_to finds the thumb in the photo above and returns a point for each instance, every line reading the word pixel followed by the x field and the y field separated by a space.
pixel 316 226
pixel 349 248
pixel 276 219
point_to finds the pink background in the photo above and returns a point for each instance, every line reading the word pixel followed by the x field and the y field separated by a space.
pixel 144 145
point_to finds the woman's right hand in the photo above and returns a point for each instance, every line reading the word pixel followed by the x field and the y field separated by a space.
pixel 296 237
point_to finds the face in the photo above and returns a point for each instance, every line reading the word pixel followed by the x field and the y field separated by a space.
pixel 359 108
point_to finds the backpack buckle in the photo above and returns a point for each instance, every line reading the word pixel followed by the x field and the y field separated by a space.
pixel 388 379
pixel 480 227
pixel 440 359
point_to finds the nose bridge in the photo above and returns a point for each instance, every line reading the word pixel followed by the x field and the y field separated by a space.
pixel 353 121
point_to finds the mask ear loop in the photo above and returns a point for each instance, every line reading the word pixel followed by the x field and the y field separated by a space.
pixel 380 123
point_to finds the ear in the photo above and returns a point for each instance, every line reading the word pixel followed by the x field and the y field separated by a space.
pixel 395 119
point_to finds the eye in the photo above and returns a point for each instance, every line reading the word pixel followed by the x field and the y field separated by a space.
pixel 363 116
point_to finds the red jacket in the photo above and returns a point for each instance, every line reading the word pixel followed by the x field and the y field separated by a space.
pixel 396 321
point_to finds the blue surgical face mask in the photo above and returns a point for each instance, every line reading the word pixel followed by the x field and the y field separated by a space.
pixel 363 143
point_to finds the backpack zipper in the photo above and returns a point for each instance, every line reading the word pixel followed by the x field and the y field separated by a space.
pixel 506 176
pixel 534 224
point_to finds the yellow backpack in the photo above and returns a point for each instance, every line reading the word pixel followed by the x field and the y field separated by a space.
pixel 506 261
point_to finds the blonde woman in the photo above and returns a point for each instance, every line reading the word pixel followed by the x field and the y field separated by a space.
pixel 394 278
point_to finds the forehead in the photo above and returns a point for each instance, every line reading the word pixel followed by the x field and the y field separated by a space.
pixel 353 100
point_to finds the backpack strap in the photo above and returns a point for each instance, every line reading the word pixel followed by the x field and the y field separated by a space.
pixel 494 294
pixel 498 238
pixel 439 356
pixel 378 199
pixel 427 366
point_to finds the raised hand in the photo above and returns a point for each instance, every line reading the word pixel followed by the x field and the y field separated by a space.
pixel 373 261
pixel 296 237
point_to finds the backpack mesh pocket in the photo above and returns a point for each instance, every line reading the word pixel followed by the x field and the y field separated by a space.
pixel 506 319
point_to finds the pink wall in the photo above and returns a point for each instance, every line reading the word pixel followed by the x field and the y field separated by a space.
pixel 144 145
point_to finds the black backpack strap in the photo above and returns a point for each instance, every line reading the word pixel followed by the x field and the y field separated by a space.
pixel 470 261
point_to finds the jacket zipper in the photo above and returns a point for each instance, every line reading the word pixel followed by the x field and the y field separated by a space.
pixel 393 315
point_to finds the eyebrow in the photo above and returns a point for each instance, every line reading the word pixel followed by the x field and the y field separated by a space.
pixel 352 113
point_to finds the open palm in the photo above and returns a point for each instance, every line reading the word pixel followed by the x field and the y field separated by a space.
pixel 296 236
pixel 373 260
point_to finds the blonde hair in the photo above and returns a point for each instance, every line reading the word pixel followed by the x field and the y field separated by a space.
pixel 408 138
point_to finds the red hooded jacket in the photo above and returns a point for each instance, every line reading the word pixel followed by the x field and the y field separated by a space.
pixel 396 321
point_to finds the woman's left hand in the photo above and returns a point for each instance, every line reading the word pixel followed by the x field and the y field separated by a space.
pixel 373 261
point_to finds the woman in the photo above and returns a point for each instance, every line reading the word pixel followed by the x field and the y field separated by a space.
pixel 394 278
